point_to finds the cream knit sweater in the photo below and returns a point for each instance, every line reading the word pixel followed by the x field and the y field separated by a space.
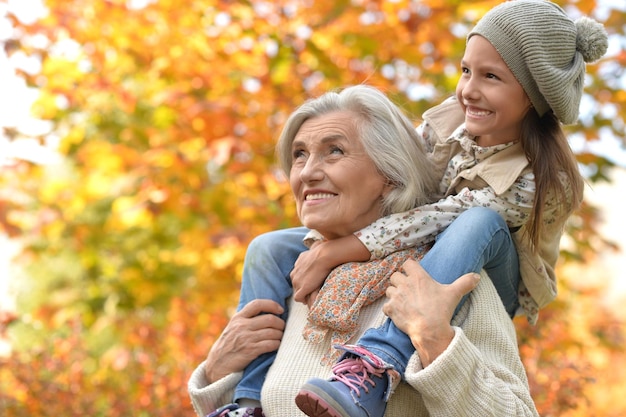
pixel 479 375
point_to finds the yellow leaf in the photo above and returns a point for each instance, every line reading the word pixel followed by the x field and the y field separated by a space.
pixel 130 213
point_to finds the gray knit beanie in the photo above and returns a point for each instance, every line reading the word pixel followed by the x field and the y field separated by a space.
pixel 545 50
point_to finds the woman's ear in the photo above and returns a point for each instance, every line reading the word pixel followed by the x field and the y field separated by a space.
pixel 389 187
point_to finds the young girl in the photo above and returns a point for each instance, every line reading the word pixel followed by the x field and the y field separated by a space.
pixel 522 74
pixel 499 145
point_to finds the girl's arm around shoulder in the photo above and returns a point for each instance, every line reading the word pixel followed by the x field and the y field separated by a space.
pixel 421 225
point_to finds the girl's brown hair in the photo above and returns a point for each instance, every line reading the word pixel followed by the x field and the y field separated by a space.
pixel 554 166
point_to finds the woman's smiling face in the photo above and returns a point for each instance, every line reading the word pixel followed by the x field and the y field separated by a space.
pixel 336 185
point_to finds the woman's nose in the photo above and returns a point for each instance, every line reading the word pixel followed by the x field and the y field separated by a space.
pixel 312 170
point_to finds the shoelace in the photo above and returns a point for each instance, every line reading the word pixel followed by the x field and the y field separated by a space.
pixel 355 372
pixel 247 412
pixel 225 413
pixel 239 412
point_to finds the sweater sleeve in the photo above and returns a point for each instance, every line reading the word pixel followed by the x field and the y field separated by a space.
pixel 207 398
pixel 480 373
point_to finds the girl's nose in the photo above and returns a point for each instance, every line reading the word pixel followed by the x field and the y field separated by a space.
pixel 469 89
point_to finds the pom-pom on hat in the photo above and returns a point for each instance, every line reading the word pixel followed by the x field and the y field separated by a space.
pixel 545 50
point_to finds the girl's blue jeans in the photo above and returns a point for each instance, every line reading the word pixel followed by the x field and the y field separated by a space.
pixel 478 239
pixel 269 260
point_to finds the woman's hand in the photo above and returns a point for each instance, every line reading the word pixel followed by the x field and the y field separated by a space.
pixel 252 331
pixel 423 308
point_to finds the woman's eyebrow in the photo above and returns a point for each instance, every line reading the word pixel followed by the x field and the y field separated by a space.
pixel 325 139
pixel 333 137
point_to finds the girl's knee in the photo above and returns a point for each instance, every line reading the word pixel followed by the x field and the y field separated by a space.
pixel 482 215
pixel 278 242
pixel 475 222
pixel 267 242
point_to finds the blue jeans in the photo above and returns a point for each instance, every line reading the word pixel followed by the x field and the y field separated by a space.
pixel 477 239
pixel 269 260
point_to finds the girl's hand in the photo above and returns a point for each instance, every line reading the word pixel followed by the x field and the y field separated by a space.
pixel 313 266
pixel 309 272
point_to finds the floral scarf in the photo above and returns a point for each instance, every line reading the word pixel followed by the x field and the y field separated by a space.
pixel 348 289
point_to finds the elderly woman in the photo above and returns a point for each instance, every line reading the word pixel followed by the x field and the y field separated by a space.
pixel 352 157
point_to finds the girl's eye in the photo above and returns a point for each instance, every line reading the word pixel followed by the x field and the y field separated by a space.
pixel 492 76
pixel 464 70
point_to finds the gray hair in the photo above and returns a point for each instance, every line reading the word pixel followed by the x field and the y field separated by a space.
pixel 389 139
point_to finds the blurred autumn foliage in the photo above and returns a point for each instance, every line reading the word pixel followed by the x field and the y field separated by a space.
pixel 165 114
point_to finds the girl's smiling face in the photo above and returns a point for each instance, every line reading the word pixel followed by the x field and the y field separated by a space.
pixel 493 100
pixel 336 185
